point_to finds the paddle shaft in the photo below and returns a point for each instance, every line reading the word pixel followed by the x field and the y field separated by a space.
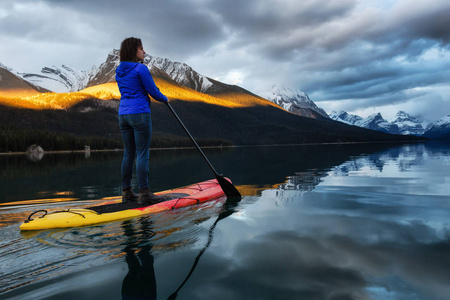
pixel 228 188
pixel 192 138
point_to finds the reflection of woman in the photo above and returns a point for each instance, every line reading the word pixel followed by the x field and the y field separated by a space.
pixel 140 281
pixel 135 84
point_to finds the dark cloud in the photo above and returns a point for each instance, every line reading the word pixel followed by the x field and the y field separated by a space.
pixel 330 49
pixel 171 28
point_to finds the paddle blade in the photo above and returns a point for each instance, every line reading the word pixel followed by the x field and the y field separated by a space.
pixel 227 187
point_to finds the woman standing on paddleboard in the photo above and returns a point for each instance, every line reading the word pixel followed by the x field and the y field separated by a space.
pixel 135 84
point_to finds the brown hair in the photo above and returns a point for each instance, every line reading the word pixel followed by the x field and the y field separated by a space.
pixel 128 49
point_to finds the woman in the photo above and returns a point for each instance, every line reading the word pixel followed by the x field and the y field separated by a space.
pixel 135 84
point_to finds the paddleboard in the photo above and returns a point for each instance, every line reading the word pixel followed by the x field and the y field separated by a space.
pixel 116 210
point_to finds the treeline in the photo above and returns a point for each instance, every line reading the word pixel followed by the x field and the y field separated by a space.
pixel 18 140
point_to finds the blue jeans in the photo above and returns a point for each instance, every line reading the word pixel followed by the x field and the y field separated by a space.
pixel 137 134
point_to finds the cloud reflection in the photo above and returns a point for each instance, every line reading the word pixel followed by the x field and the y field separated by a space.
pixel 410 260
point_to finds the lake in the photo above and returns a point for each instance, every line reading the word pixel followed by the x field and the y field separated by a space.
pixel 354 221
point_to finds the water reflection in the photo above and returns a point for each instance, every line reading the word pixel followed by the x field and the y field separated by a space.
pixel 337 222
pixel 140 281
pixel 303 181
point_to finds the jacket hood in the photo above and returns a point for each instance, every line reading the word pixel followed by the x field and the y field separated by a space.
pixel 125 68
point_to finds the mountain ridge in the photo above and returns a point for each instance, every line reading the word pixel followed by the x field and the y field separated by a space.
pixel 403 123
pixel 67 79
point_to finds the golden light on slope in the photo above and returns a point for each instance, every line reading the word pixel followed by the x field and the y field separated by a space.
pixel 110 91
pixel 105 91
pixel 233 100
pixel 18 93
pixel 46 100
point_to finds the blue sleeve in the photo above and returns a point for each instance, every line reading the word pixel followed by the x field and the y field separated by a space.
pixel 149 84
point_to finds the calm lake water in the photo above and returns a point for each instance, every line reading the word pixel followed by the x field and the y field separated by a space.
pixel 315 222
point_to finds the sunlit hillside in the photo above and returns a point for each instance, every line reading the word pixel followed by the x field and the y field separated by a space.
pixel 46 100
pixel 232 100
pixel 109 91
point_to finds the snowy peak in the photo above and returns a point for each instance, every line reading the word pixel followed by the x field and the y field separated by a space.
pixel 407 124
pixel 106 72
pixel 345 117
pixel 58 79
pixel 374 122
pixel 294 101
pixel 377 122
pixel 403 123
pixel 179 72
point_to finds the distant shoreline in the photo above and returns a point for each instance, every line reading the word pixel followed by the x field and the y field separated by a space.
pixel 217 147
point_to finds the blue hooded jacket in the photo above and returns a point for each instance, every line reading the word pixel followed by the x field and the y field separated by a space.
pixel 135 84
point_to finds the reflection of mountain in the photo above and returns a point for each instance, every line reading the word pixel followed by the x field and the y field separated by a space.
pixel 297 185
pixel 303 181
pixel 405 157
pixel 402 156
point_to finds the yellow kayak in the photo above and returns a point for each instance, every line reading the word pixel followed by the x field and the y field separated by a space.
pixel 176 198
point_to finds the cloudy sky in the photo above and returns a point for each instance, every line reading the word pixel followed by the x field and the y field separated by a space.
pixel 359 56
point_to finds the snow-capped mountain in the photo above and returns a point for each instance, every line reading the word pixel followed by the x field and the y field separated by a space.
pixel 345 117
pixel 407 124
pixel 403 123
pixel 377 122
pixel 374 122
pixel 59 79
pixel 440 130
pixel 294 101
pixel 67 79
pixel 179 72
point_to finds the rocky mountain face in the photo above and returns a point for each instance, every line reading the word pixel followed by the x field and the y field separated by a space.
pixel 440 130
pixel 403 123
pixel 294 101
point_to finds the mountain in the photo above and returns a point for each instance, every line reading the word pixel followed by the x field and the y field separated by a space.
pixel 12 85
pixel 403 123
pixel 373 122
pixel 68 79
pixel 294 101
pixel 440 130
pixel 407 124
pixel 377 122
pixel 179 72
pixel 235 117
pixel 215 113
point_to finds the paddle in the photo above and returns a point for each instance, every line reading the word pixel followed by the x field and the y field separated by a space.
pixel 228 188
pixel 228 209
